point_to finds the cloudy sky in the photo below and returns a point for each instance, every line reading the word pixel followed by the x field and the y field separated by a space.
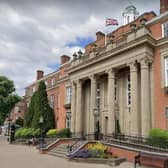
pixel 34 33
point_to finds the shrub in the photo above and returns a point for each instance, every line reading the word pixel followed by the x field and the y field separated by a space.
pixel 158 137
pixel 27 132
pixel 97 150
pixel 52 132
pixel 97 146
pixel 64 133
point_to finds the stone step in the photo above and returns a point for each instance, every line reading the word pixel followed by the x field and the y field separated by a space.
pixel 61 152
pixel 57 154
pixel 59 149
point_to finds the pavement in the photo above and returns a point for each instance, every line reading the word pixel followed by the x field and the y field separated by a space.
pixel 20 156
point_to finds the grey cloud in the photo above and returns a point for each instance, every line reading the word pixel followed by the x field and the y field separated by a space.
pixel 34 33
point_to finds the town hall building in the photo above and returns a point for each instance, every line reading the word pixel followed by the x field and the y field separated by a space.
pixel 120 87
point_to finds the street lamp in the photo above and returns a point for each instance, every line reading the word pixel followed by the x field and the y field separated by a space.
pixel 41 120
pixel 97 125
pixel 9 127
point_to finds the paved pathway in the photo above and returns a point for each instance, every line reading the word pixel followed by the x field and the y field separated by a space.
pixel 16 156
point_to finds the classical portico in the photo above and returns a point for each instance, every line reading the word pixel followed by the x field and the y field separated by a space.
pixel 113 89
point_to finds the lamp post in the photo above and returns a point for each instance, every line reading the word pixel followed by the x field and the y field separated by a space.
pixel 41 120
pixel 97 125
pixel 9 127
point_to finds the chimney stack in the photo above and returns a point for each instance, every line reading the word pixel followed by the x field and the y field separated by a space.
pixel 100 35
pixel 39 74
pixel 64 59
pixel 163 6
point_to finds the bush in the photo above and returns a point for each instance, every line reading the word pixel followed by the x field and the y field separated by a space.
pixel 158 138
pixel 52 132
pixel 27 132
pixel 64 133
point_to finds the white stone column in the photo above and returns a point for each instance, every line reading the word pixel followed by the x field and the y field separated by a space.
pixel 145 98
pixel 73 107
pixel 92 104
pixel 135 118
pixel 79 107
pixel 111 101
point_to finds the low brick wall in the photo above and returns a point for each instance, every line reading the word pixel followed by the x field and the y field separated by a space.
pixel 128 154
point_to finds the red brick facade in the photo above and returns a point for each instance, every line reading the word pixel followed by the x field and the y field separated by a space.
pixel 56 83
pixel 61 78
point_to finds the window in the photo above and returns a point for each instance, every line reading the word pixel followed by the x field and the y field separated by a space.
pixel 128 19
pixel 34 89
pixel 52 101
pixel 165 29
pixel 166 112
pixel 52 82
pixel 68 95
pixel 98 95
pixel 46 83
pixel 128 90
pixel 68 120
pixel 115 89
pixel 166 71
pixel 57 101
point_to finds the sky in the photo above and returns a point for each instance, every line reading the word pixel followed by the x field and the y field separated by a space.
pixel 35 33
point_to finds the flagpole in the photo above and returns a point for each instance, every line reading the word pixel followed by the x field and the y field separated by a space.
pixel 109 22
pixel 105 32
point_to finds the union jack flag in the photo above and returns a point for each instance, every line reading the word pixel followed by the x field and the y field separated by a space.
pixel 110 21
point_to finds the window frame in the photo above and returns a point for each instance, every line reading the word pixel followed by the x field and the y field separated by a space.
pixel 166 71
pixel 52 97
pixel 166 112
pixel 68 119
pixel 165 29
pixel 68 95
pixel 128 90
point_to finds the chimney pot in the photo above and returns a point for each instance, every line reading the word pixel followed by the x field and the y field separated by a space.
pixel 64 59
pixel 39 74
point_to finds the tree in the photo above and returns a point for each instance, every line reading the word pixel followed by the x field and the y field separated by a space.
pixel 42 108
pixel 7 97
pixel 31 111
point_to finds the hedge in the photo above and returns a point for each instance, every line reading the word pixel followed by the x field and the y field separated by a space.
pixel 27 132
pixel 158 137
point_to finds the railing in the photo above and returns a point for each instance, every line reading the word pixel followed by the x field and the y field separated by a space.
pixel 135 141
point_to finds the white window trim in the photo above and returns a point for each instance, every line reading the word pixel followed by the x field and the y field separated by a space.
pixel 166 71
pixel 166 113
pixel 68 94
pixel 163 29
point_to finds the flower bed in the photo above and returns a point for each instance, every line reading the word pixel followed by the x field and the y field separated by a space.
pixel 94 150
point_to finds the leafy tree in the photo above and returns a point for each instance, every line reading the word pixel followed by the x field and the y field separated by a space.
pixel 7 97
pixel 42 108
pixel 31 111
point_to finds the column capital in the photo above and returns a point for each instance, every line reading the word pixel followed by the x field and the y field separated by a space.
pixel 73 83
pixel 93 77
pixel 133 66
pixel 111 72
pixel 145 62
pixel 79 83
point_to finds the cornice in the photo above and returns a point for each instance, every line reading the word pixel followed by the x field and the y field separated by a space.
pixel 103 54
pixel 162 41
